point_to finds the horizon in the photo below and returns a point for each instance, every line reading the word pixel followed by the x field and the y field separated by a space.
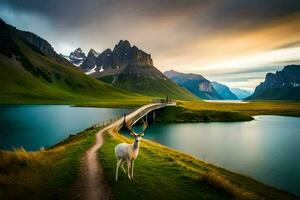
pixel 186 37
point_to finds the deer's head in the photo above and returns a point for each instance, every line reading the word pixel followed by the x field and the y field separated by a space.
pixel 138 136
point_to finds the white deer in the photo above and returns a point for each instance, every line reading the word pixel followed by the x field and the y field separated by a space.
pixel 129 152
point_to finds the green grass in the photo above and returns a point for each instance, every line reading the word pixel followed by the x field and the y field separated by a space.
pixel 163 173
pixel 35 78
pixel 181 114
pixel 31 78
pixel 47 174
pixel 287 108
pixel 201 111
pixel 148 81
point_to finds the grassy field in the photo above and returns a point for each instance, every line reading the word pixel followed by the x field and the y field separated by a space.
pixel 162 173
pixel 29 75
pixel 46 174
pixel 181 114
pixel 288 108
pixel 201 111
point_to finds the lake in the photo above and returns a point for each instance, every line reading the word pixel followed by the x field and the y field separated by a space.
pixel 226 101
pixel 266 148
pixel 35 126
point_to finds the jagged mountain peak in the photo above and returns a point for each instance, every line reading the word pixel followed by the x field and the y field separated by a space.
pixel 95 53
pixel 123 43
pixel 283 85
pixel 79 50
pixel 122 55
pixel 77 57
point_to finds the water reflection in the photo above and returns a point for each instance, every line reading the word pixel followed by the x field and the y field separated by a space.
pixel 265 149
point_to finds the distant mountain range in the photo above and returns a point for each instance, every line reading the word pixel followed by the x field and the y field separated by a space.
pixel 241 93
pixel 205 89
pixel 130 68
pixel 282 85
pixel 31 69
pixel 224 91
pixel 195 83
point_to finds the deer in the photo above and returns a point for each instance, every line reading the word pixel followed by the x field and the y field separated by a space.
pixel 129 152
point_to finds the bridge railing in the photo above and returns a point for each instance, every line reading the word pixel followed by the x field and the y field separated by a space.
pixel 112 120
pixel 165 100
pixel 133 119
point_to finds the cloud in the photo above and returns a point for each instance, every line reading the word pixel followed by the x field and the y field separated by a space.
pixel 207 36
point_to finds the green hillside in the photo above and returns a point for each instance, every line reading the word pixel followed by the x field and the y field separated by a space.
pixel 148 80
pixel 130 68
pixel 29 75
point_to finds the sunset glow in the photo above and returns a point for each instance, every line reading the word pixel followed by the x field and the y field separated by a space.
pixel 222 40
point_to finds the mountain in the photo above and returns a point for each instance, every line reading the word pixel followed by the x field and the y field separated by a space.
pixel 224 91
pixel 77 57
pixel 195 83
pixel 282 85
pixel 90 62
pixel 31 71
pixel 241 93
pixel 129 68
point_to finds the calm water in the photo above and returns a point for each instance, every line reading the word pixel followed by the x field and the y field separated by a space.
pixel 34 126
pixel 226 101
pixel 267 149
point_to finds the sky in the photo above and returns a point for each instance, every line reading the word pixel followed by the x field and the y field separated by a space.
pixel 235 42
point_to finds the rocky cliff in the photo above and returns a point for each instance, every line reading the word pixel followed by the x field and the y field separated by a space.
pixel 224 91
pixel 122 54
pixel 195 83
pixel 282 85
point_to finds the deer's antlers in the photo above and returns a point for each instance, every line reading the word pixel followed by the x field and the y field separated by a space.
pixel 145 125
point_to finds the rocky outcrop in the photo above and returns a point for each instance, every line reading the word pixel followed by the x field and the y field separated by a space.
pixel 123 54
pixel 77 57
pixel 37 43
pixel 90 61
pixel 224 91
pixel 195 83
pixel 282 85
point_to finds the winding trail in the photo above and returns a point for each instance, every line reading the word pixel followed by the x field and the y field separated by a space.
pixel 91 184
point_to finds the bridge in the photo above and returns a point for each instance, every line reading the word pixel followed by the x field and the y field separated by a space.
pixel 93 178
pixel 135 116
pixel 131 118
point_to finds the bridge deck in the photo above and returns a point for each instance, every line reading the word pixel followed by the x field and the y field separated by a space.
pixel 134 116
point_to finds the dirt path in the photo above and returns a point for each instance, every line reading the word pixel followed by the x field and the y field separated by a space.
pixel 91 184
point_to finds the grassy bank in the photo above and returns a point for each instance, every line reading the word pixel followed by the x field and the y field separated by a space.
pixel 181 114
pixel 287 108
pixel 162 173
pixel 201 111
pixel 44 174
pixel 79 100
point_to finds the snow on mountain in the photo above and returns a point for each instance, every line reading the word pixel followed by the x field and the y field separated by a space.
pixel 77 57
pixel 93 70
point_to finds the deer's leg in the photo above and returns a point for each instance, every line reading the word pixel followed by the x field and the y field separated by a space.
pixel 132 166
pixel 122 165
pixel 117 170
pixel 128 169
